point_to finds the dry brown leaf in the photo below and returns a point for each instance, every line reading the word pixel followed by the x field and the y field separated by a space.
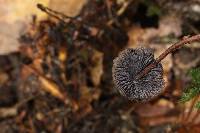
pixel 167 25
pixel 3 77
pixel 84 103
pixel 47 84
pixel 14 17
pixel 97 69
pixel 83 111
pixel 68 7
pixel 8 112
pixel 51 87
pixel 135 33
pixel 139 36
pixel 62 56
pixel 166 103
pixel 13 11
pixel 89 94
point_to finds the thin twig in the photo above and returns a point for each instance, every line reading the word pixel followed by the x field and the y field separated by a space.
pixel 175 46
pixel 55 14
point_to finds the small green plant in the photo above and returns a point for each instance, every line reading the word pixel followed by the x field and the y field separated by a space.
pixel 194 89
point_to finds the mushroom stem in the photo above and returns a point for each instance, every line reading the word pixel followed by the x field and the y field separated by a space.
pixel 175 46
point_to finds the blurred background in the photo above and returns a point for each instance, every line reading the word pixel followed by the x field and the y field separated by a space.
pixel 56 65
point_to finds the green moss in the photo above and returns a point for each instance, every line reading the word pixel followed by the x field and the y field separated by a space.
pixel 194 90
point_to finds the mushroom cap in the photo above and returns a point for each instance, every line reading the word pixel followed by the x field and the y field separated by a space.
pixel 127 65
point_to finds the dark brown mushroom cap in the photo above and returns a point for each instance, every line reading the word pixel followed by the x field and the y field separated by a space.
pixel 127 65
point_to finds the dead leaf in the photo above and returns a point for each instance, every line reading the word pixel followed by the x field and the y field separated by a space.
pixel 139 36
pixel 89 94
pixel 14 17
pixel 62 54
pixel 8 112
pixel 3 77
pixel 51 87
pixel 97 68
pixel 84 103
pixel 68 7
pixel 170 24
pixel 48 85
pixel 135 37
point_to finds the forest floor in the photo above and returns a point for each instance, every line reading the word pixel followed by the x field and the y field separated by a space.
pixel 56 70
